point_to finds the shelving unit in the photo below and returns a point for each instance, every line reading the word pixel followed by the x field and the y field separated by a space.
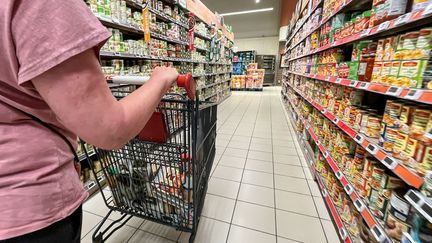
pixel 132 49
pixel 317 93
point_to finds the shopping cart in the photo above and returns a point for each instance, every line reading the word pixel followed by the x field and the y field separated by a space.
pixel 161 175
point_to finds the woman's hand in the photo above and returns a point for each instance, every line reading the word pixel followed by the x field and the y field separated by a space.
pixel 167 74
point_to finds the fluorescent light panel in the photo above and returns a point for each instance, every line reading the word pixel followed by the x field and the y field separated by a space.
pixel 248 11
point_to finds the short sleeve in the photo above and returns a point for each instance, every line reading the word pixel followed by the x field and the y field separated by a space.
pixel 48 32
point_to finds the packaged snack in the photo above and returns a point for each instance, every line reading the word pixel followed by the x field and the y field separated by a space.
pixel 411 73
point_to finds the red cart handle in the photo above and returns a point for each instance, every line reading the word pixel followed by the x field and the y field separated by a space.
pixel 185 81
pixel 188 83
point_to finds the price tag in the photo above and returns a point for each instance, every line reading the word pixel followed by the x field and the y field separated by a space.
pixel 343 233
pixel 390 163
pixel 348 189
pixel 307 126
pixel 358 204
pixel 428 10
pixel 378 234
pixel 383 26
pixel 327 78
pixel 364 85
pixel 323 111
pixel 336 120
pixel 414 94
pixel 365 33
pixel 324 192
pixel 325 154
pixel 403 19
pixel 318 142
pixel 117 54
pixel 338 174
pixel 372 149
pixel 353 83
pixel 338 80
pixel 428 134
pixel 395 91
pixel 359 138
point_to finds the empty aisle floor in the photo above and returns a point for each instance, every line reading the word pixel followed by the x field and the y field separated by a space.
pixel 260 189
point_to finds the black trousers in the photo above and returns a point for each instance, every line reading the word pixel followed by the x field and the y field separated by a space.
pixel 67 230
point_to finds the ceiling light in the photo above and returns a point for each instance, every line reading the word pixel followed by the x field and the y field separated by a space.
pixel 247 12
pixel 257 1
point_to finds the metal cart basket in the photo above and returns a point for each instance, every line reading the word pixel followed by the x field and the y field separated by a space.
pixel 163 181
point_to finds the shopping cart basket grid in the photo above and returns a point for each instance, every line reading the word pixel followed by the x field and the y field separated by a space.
pixel 162 182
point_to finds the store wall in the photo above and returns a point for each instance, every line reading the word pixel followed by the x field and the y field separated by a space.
pixel 263 45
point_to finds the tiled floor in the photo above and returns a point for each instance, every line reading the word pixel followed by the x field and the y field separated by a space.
pixel 259 190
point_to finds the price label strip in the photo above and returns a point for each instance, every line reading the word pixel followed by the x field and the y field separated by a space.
pixel 383 26
pixel 359 205
pixel 365 33
pixel 364 85
pixel 395 91
pixel 390 163
pixel 403 19
pixel 372 149
pixel 338 80
pixel 359 138
pixel 428 10
pixel 414 94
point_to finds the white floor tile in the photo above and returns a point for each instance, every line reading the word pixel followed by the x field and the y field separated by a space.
pixel 161 230
pixel 295 202
pixel 258 178
pixel 258 155
pixel 289 170
pixel 330 231
pixel 232 161
pixel 219 208
pixel 315 191
pixel 224 188
pixel 286 159
pixel 242 153
pixel 283 240
pixel 209 231
pixel 256 194
pixel 255 217
pixel 245 139
pixel 239 234
pixel 238 144
pixel 261 147
pixel 259 165
pixel 298 227
pixel 291 184
pixel 261 140
pixel 321 207
pixel 144 237
pixel 89 222
pixel 121 235
pixel 228 173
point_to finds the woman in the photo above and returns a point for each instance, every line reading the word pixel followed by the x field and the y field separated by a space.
pixel 49 69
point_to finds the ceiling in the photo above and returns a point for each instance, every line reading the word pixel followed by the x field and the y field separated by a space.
pixel 249 25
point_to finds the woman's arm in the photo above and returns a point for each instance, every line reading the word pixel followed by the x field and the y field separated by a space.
pixel 78 94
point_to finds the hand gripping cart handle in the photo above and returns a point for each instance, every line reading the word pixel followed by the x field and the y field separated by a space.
pixel 183 80
pixel 155 129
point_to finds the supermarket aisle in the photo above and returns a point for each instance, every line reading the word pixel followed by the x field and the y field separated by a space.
pixel 259 192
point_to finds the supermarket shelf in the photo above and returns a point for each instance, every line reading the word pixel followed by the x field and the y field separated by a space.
pixel 133 4
pixel 343 233
pixel 92 187
pixel 213 84
pixel 209 74
pixel 404 22
pixel 166 38
pixel 138 56
pixel 421 203
pixel 209 96
pixel 224 98
pixel 162 16
pixel 301 25
pixel 124 27
pixel 400 170
pixel 197 34
pixel 359 204
pixel 417 95
pixel 201 49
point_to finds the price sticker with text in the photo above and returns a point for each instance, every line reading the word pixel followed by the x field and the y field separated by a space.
pixel 383 26
pixel 395 91
pixel 364 85
pixel 414 94
pixel 403 19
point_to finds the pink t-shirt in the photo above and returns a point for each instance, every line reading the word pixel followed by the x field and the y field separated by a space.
pixel 38 182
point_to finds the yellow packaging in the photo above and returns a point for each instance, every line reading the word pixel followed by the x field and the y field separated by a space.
pixel 376 72
pixel 411 73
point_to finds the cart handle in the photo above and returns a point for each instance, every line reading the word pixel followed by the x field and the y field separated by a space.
pixel 183 80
